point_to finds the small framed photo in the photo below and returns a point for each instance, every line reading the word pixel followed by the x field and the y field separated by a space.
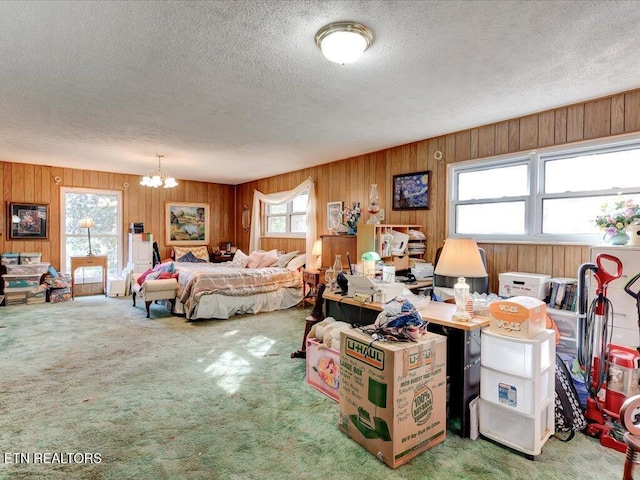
pixel 411 191
pixel 28 221
pixel 334 216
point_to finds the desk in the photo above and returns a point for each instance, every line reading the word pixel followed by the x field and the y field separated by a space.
pixel 463 346
pixel 89 261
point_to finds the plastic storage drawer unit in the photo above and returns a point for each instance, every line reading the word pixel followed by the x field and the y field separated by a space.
pixel 518 356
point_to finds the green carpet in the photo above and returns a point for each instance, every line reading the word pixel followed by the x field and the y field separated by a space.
pixel 164 398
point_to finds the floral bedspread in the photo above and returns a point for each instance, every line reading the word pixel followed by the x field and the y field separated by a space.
pixel 196 280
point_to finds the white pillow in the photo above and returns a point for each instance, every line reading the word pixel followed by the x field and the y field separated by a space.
pixel 269 259
pixel 285 258
pixel 254 259
pixel 240 259
pixel 297 262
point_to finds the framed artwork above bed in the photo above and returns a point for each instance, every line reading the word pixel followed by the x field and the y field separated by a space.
pixel 186 223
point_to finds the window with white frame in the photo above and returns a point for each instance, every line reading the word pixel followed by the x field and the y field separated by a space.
pixel 552 195
pixel 105 209
pixel 287 219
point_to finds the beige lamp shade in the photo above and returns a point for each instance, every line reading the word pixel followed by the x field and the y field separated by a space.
pixel 87 222
pixel 460 257
pixel 317 248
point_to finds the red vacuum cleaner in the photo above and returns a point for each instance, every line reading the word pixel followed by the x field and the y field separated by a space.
pixel 611 371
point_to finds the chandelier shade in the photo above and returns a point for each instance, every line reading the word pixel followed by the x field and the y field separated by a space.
pixel 159 178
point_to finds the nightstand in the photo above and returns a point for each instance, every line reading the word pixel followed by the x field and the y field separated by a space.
pixel 310 279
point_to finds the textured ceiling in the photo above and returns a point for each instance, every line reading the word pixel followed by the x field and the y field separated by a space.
pixel 231 91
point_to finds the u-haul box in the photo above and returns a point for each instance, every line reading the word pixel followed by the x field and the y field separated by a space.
pixel 393 394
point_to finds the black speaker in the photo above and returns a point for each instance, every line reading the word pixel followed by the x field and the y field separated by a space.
pixel 343 283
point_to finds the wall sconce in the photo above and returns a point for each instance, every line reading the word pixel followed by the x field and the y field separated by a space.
pixel 246 218
pixel 57 179
pixel 461 258
pixel 88 223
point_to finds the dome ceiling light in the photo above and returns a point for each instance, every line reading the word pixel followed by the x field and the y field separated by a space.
pixel 344 42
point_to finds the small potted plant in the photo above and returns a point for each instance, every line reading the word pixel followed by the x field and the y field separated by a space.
pixel 614 221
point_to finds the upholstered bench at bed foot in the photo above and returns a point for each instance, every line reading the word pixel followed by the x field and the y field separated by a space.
pixel 151 290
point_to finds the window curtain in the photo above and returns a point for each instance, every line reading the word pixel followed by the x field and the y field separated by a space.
pixel 284 197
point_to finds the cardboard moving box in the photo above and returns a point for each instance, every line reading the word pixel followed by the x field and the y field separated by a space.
pixel 520 317
pixel 393 394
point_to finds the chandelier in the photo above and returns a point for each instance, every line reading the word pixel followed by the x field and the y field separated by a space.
pixel 159 178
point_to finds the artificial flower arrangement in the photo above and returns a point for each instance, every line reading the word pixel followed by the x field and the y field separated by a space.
pixel 352 216
pixel 623 214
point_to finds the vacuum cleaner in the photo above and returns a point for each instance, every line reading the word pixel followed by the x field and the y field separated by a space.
pixel 611 371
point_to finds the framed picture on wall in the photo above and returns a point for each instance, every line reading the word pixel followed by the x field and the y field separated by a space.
pixel 186 223
pixel 334 216
pixel 28 221
pixel 411 191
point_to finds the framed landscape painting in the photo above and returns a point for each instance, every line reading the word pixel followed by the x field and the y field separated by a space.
pixel 411 191
pixel 187 223
pixel 28 221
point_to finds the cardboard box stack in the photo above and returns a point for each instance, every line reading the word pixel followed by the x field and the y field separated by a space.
pixel 393 394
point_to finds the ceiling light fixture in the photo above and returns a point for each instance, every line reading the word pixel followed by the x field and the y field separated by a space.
pixel 344 42
pixel 158 178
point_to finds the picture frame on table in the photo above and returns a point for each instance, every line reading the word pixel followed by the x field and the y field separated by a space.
pixel 334 216
pixel 411 191
pixel 186 223
pixel 28 221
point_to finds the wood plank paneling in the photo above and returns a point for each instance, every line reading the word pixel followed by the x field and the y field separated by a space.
pixel 597 118
pixel 345 180
pixel 528 132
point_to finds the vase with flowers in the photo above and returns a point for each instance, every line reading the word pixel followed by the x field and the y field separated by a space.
pixel 615 220
pixel 351 218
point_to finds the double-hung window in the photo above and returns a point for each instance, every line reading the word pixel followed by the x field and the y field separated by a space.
pixel 105 208
pixel 287 219
pixel 552 195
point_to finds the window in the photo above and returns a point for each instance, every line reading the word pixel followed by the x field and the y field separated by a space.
pixel 550 195
pixel 287 219
pixel 105 208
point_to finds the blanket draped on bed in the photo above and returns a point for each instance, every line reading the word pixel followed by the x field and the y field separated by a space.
pixel 232 281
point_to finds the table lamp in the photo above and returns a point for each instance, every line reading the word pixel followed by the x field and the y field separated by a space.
pixel 369 260
pixel 317 251
pixel 461 258
pixel 88 223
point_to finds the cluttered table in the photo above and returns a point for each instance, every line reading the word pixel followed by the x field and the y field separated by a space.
pixel 463 345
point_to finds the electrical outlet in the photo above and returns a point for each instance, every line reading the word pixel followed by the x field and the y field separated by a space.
pixel 381 214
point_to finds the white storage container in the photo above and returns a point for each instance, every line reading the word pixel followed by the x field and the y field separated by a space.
pixel 10 258
pixel 516 393
pixel 116 287
pixel 567 323
pixel 18 283
pixel 524 433
pixel 518 356
pixel 29 258
pixel 513 284
pixel 28 269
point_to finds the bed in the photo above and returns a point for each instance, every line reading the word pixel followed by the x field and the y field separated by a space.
pixel 247 284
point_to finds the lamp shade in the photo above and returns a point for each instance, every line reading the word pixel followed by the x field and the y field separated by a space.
pixel 460 257
pixel 317 248
pixel 87 222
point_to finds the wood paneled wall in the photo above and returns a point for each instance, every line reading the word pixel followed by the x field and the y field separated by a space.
pixel 35 183
pixel 349 180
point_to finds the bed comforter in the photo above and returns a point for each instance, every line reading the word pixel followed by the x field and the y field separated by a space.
pixel 196 280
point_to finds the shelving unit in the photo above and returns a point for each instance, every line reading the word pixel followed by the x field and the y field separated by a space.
pixel 376 238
